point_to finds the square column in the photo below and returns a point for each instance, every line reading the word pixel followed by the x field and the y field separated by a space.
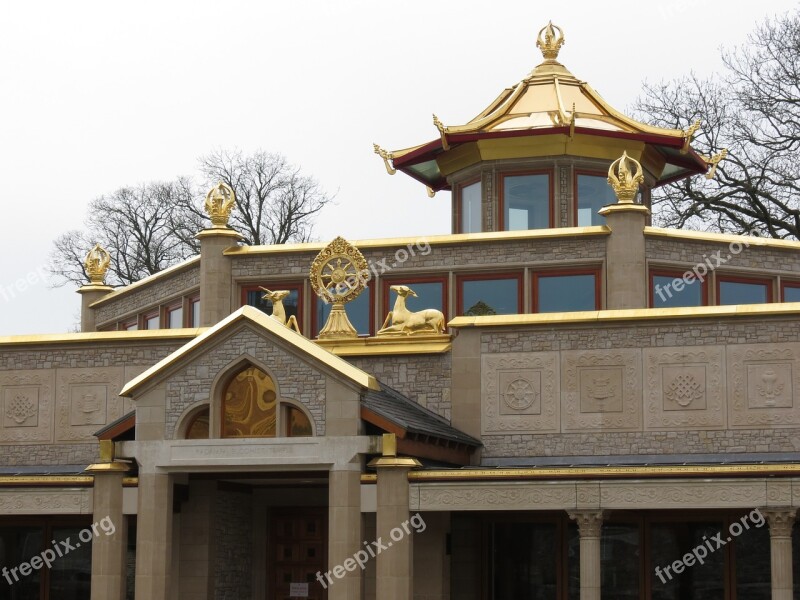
pixel 394 562
pixel 344 535
pixel 154 537
pixel 108 551
pixel 781 521
pixel 590 524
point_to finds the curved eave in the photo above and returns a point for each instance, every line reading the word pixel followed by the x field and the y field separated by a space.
pixel 425 155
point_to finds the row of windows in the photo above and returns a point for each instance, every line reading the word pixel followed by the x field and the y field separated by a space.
pixel 184 312
pixel 670 289
pixel 527 201
pixel 485 294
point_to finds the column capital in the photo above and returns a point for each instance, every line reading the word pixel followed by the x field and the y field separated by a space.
pixel 590 522
pixel 389 458
pixel 781 520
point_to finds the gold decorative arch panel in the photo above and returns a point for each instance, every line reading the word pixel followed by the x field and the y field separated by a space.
pixel 250 405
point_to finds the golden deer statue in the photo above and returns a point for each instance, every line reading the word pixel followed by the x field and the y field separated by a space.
pixel 404 321
pixel 278 310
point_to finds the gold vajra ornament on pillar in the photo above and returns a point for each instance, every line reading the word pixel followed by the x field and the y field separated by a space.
pixel 400 320
pixel 219 204
pixel 338 275
pixel 625 177
pixel 96 264
pixel 550 40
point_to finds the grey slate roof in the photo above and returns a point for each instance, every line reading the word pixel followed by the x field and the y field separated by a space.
pixel 414 418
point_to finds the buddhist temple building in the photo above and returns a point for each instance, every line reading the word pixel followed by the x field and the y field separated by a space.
pixel 554 401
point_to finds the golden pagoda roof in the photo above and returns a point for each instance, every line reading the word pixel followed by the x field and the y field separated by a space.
pixel 549 101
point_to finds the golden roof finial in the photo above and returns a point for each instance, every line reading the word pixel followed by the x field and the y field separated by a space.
pixel 219 204
pixel 552 41
pixel 96 265
pixel 623 180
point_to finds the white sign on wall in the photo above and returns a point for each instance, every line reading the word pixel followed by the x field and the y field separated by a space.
pixel 298 590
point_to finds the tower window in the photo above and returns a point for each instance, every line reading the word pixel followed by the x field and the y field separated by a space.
pixel 592 193
pixel 527 201
pixel 469 208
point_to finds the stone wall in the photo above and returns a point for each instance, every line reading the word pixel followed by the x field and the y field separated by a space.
pixel 54 398
pixel 149 295
pixel 234 545
pixel 689 253
pixel 295 379
pixel 424 378
pixel 678 387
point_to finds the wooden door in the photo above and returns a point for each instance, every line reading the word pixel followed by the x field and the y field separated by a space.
pixel 298 539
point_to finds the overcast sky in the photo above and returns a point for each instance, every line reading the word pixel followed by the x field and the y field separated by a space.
pixel 98 95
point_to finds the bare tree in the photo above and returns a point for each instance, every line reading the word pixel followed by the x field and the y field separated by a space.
pixel 154 225
pixel 275 202
pixel 753 110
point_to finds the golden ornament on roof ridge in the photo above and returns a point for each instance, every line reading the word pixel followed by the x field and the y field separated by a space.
pixel 625 176
pixel 219 204
pixel 551 42
pixel 97 262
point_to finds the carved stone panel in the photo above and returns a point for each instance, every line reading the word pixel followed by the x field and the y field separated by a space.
pixel 685 388
pixel 87 400
pixel 763 380
pixel 26 401
pixel 520 393
pixel 602 389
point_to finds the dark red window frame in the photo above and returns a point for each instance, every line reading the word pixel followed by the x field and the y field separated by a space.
pixel 501 194
pixel 739 279
pixel 535 276
pixel 460 279
pixel 674 274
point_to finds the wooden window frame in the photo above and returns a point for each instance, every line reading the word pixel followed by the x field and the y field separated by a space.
pixel 768 282
pixel 518 275
pixel 370 289
pixel 127 323
pixel 190 302
pixel 501 201
pixel 575 197
pixel 410 281
pixel 149 315
pixel 457 199
pixel 536 275
pixel 788 284
pixel 674 274
pixel 172 306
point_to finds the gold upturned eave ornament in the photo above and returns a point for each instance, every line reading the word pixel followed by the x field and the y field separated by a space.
pixel 550 40
pixel 219 204
pixel 97 262
pixel 625 176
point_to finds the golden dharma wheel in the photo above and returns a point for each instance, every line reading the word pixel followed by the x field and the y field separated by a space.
pixel 339 273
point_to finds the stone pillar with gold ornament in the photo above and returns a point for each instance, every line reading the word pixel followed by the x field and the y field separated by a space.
pixel 781 523
pixel 215 267
pixel 590 524
pixel 96 266
pixel 108 549
pixel 394 564
pixel 626 271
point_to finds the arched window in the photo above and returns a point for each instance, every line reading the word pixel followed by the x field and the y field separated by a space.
pixel 250 405
pixel 197 429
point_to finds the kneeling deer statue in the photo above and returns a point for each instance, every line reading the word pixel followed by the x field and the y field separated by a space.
pixel 404 321
pixel 278 311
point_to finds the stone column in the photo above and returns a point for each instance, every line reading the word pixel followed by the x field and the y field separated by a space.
pixel 215 274
pixel 90 293
pixel 154 537
pixel 344 534
pixel 394 564
pixel 590 524
pixel 781 521
pixel 108 551
pixel 626 270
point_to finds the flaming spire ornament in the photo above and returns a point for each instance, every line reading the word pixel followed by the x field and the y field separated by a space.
pixel 219 204
pixel 625 177
pixel 96 264
pixel 550 43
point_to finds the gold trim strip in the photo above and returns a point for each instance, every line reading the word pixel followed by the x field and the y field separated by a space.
pixel 377 346
pixel 57 481
pixel 630 314
pixel 653 471
pixel 101 336
pixel 147 280
pixel 433 240
pixel 722 238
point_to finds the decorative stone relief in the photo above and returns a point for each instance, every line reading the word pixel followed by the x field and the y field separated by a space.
pixel 520 393
pixel 731 493
pixel 87 400
pixel 497 496
pixel 685 388
pixel 763 379
pixel 27 406
pixel 43 502
pixel 602 389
